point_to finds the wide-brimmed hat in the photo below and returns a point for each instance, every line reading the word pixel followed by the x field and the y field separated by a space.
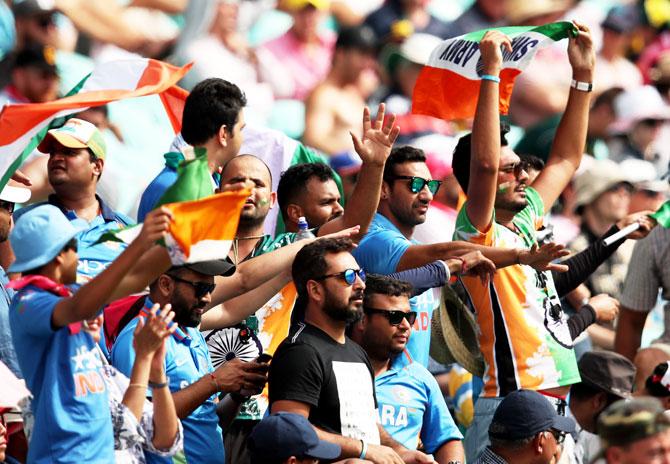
pixel 596 180
pixel 637 104
pixel 520 11
pixel 453 337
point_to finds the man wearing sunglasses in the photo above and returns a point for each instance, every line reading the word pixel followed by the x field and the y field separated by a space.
pixel 410 404
pixel 526 429
pixel 524 335
pixel 193 381
pixel 318 372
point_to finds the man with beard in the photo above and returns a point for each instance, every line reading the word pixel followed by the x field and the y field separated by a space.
pixel 411 405
pixel 77 153
pixel 318 372
pixel 192 380
pixel 523 333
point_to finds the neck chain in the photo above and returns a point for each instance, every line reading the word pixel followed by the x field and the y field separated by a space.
pixel 236 245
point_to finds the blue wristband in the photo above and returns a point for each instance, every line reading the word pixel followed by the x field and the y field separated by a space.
pixel 489 77
pixel 364 450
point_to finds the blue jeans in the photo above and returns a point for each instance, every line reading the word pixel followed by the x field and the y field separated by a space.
pixel 477 435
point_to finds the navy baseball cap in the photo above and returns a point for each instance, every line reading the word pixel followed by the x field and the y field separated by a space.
pixel 525 413
pixel 285 434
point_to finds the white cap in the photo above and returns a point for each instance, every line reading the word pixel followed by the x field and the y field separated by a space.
pixel 15 194
pixel 636 104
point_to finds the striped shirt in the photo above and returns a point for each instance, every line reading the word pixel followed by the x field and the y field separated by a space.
pixel 489 457
pixel 648 271
pixel 523 333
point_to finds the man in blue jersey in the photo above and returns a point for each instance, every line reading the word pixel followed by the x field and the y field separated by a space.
pixel 410 404
pixel 77 154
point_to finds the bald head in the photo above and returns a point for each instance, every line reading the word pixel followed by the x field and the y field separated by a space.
pixel 244 167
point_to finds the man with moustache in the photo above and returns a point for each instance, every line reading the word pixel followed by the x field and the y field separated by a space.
pixel 318 372
pixel 192 380
pixel 411 405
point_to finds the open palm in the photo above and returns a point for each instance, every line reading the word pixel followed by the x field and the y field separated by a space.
pixel 378 138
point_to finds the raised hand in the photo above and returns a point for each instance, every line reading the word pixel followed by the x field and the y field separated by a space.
pixel 378 138
pixel 580 53
pixel 491 49
pixel 21 178
pixel 155 226
pixel 646 224
pixel 152 330
pixel 344 233
pixel 472 263
pixel 540 258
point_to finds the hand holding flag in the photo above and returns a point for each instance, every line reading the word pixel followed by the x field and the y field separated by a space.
pixel 640 224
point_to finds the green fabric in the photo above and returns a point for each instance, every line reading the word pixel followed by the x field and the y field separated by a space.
pixel 554 31
pixel 194 181
pixel 662 215
pixel 173 158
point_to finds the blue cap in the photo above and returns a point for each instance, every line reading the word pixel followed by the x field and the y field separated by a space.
pixel 285 434
pixel 38 236
pixel 524 414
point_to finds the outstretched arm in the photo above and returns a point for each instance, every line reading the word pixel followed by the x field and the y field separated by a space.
pixel 374 149
pixel 485 157
pixel 568 147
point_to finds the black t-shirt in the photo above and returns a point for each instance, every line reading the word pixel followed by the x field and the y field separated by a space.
pixel 335 379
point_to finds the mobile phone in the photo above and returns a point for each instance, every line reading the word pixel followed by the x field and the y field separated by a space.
pixel 264 358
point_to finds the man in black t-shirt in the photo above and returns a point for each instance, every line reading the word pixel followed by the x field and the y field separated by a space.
pixel 321 374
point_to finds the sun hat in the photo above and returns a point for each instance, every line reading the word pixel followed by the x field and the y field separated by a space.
pixel 637 104
pixel 597 179
pixel 15 194
pixel 609 371
pixel 628 421
pixel 453 335
pixel 76 133
pixel 38 236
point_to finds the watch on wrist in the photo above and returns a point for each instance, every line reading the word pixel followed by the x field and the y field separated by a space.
pixel 582 86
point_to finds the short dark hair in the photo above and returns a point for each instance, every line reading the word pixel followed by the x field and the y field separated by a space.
pixel 212 103
pixel 461 160
pixel 376 284
pixel 533 162
pixel 310 262
pixel 402 155
pixel 582 391
pixel 653 382
pixel 293 181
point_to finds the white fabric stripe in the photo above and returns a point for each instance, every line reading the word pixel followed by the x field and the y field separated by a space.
pixel 206 250
pixel 116 75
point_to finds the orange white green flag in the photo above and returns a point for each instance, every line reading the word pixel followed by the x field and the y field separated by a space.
pixel 448 86
pixel 22 126
pixel 202 230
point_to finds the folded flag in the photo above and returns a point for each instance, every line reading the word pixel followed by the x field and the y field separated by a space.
pixel 203 230
pixel 662 215
pixel 448 86
pixel 23 126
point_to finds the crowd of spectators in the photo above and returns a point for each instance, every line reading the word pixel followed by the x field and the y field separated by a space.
pixel 454 298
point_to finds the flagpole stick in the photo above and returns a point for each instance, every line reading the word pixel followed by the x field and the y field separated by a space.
pixel 629 229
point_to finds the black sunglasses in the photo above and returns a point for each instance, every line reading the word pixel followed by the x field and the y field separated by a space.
pixel 7 205
pixel 558 435
pixel 416 184
pixel 200 288
pixel 516 168
pixel 395 316
pixel 348 275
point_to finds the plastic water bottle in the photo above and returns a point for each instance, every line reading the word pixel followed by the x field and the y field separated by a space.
pixel 303 230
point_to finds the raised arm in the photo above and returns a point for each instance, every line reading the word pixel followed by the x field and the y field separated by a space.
pixel 568 146
pixel 87 302
pixel 374 149
pixel 485 156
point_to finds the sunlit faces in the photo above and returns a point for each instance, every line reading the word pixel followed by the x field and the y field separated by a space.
pixel 512 182
pixel 320 202
pixel 72 166
pixel 245 168
pixel 407 207
pixel 338 299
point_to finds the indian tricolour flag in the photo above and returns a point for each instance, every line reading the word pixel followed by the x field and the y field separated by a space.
pixel 23 126
pixel 448 85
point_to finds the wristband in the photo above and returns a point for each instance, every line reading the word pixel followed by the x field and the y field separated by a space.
pixel 154 385
pixel 364 450
pixel 490 77
pixel 461 260
pixel 216 384
pixel 582 86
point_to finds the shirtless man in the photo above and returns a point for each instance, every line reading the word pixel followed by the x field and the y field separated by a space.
pixel 333 108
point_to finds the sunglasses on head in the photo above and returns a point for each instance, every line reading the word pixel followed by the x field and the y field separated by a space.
pixel 416 184
pixel 200 288
pixel 394 316
pixel 348 275
pixel 7 205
